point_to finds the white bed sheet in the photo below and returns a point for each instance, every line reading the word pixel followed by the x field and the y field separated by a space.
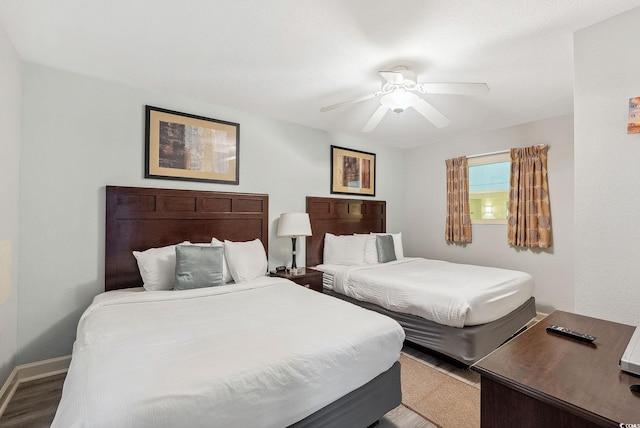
pixel 266 353
pixel 452 294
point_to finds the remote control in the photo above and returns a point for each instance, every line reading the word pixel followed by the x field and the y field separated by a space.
pixel 570 333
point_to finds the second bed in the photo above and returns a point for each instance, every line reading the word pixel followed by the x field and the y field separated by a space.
pixel 460 311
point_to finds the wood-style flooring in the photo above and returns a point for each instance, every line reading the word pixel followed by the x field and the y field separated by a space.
pixel 34 403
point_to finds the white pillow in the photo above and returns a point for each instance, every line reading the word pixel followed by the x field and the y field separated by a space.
pixel 157 267
pixel 226 273
pixel 247 260
pixel 370 250
pixel 344 249
pixel 397 243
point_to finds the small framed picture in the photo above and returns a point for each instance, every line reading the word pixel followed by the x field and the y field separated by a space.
pixel 180 146
pixel 353 172
pixel 633 124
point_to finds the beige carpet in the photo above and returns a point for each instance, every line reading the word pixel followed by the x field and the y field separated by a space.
pixel 438 397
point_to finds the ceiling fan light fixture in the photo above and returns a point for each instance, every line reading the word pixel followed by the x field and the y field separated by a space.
pixel 409 77
pixel 398 101
pixel 398 92
pixel 400 75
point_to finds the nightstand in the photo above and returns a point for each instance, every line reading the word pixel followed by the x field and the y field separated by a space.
pixel 307 277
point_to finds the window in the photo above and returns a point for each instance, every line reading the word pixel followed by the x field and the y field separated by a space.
pixel 489 188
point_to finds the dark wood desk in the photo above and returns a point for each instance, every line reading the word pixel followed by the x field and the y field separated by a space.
pixel 540 379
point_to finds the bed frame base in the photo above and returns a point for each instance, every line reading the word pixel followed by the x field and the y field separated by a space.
pixel 362 407
pixel 464 345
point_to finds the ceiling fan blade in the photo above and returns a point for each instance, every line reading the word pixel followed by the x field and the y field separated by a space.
pixel 393 77
pixel 455 88
pixel 431 114
pixel 353 101
pixel 375 119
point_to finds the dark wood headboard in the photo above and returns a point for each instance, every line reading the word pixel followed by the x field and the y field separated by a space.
pixel 139 218
pixel 341 217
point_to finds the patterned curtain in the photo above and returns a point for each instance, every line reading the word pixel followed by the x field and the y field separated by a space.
pixel 458 227
pixel 529 217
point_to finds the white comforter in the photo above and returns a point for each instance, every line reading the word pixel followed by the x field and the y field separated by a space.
pixel 452 294
pixel 261 354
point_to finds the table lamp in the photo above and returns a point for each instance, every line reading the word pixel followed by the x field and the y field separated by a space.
pixel 294 225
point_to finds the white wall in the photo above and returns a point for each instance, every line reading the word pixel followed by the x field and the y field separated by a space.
pixel 10 95
pixel 607 170
pixel 80 134
pixel 552 269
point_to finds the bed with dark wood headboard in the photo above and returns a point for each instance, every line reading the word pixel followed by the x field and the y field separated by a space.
pixel 139 218
pixel 341 216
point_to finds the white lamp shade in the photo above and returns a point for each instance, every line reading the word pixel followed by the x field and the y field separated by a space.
pixel 294 224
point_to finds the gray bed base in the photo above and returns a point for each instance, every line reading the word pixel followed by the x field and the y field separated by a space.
pixel 362 407
pixel 465 345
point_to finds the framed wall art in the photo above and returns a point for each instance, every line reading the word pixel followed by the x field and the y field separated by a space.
pixel 633 124
pixel 353 172
pixel 180 146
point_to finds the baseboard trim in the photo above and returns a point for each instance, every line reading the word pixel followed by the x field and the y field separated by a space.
pixel 8 389
pixel 540 315
pixel 28 372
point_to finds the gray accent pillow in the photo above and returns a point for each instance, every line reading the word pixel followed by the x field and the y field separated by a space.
pixel 198 266
pixel 386 251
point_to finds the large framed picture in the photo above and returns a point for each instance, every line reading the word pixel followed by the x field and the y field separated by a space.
pixel 353 172
pixel 180 146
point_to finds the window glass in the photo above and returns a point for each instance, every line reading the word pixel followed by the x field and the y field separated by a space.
pixel 489 188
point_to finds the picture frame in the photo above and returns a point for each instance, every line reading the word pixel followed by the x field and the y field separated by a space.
pixel 353 172
pixel 633 122
pixel 181 146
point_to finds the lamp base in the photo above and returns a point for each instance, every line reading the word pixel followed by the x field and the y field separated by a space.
pixel 293 252
pixel 294 271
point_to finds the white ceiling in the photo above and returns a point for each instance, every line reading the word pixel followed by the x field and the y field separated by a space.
pixel 285 59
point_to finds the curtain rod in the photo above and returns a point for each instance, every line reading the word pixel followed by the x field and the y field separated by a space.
pixel 499 152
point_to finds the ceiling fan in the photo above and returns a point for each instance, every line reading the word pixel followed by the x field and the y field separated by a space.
pixel 399 92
